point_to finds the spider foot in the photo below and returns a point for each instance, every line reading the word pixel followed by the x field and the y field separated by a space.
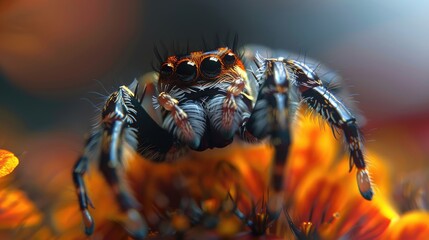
pixel 364 184
pixel 88 222
pixel 275 204
pixel 135 224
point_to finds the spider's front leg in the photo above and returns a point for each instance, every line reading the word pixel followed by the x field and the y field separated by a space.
pixel 79 171
pixel 335 112
pixel 270 118
pixel 124 122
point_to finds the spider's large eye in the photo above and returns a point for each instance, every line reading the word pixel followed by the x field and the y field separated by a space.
pixel 186 71
pixel 229 59
pixel 211 67
pixel 166 70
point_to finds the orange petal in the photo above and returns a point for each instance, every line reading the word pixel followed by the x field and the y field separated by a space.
pixel 314 148
pixel 16 210
pixel 8 162
pixel 413 225
pixel 324 195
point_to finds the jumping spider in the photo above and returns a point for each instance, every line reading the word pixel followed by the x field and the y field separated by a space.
pixel 206 99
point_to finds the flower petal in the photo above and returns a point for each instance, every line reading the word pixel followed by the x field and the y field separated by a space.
pixel 8 162
pixel 413 225
pixel 16 210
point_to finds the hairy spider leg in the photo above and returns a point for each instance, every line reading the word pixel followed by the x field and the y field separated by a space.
pixel 79 171
pixel 270 117
pixel 117 129
pixel 321 100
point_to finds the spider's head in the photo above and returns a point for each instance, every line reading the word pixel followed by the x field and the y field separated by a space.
pixel 204 96
pixel 200 68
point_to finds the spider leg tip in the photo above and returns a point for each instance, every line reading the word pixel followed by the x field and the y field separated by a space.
pixel 364 184
pixel 368 195
pixel 89 230
pixel 135 224
pixel 88 222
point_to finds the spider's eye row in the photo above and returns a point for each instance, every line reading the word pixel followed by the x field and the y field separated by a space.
pixel 211 67
pixel 187 71
pixel 229 59
pixel 166 70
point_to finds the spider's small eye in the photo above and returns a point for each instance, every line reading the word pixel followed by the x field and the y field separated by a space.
pixel 211 67
pixel 229 59
pixel 186 71
pixel 166 70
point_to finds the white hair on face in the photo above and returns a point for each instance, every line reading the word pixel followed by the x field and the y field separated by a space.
pixel 196 117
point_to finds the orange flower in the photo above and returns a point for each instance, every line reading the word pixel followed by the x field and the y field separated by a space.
pixel 326 205
pixel 16 211
pixel 197 196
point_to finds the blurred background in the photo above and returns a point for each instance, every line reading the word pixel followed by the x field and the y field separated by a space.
pixel 53 54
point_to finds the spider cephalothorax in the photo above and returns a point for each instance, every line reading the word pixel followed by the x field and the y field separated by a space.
pixel 204 97
pixel 205 100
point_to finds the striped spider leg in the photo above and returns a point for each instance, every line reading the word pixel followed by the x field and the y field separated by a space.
pixel 321 100
pixel 271 117
pixel 124 122
pixel 281 73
